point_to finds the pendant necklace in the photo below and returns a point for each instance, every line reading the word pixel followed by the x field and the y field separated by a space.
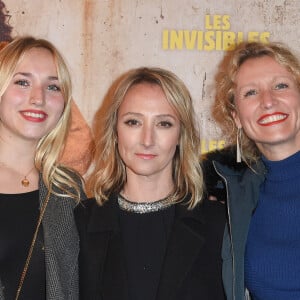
pixel 25 182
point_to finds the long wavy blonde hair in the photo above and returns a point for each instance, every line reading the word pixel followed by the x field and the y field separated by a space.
pixel 58 179
pixel 224 105
pixel 109 174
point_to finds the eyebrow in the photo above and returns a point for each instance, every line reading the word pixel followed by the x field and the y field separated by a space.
pixel 27 74
pixel 157 116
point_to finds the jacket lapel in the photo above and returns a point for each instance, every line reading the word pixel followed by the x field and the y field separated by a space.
pixel 1 291
pixel 60 232
pixel 110 261
pixel 180 256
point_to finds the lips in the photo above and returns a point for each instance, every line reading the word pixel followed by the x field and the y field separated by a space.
pixel 145 156
pixel 34 115
pixel 271 119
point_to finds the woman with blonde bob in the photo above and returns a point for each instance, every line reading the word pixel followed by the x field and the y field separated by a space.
pixel 39 239
pixel 110 170
pixel 143 236
pixel 258 107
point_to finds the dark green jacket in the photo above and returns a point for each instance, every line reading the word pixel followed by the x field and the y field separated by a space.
pixel 242 188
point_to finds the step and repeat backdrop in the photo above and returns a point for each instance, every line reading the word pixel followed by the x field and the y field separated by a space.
pixel 101 39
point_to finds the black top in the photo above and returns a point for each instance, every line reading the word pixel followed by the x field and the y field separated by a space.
pixel 18 219
pixel 145 238
pixel 191 266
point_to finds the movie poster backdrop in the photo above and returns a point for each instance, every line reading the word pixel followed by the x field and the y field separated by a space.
pixel 101 39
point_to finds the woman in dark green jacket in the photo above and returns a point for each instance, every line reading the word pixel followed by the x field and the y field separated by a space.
pixel 258 106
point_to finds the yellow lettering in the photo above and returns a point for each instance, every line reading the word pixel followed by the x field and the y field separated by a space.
pixel 165 40
pixel 209 35
pixel 212 145
pixel 253 36
pixel 190 39
pixel 218 40
pixel 264 37
pixel 226 22
pixel 200 40
pixel 217 22
pixel 221 144
pixel 228 40
pixel 209 40
pixel 176 39
pixel 207 22
pixel 207 146
pixel 240 37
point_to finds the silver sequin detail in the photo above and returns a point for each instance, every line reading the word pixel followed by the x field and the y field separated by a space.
pixel 144 207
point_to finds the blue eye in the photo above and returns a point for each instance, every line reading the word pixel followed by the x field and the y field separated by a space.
pixel 22 82
pixel 54 87
pixel 281 85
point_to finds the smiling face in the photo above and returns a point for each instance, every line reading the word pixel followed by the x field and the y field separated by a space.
pixel 148 132
pixel 32 104
pixel 267 100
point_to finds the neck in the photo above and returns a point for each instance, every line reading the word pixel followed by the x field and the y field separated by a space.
pixel 145 189
pixel 278 152
pixel 17 170
pixel 20 155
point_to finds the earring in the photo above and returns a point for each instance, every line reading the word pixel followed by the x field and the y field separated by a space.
pixel 238 149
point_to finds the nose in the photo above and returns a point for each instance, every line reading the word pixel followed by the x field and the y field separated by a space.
pixel 147 135
pixel 267 99
pixel 37 96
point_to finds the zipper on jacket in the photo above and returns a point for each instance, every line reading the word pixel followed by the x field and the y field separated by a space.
pixel 230 235
pixel 247 295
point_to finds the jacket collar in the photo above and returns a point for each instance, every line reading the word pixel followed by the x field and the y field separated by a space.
pixel 257 168
pixel 105 217
pixel 184 245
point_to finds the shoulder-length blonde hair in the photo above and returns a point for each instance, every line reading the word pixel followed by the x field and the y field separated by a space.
pixel 50 146
pixel 109 174
pixel 224 105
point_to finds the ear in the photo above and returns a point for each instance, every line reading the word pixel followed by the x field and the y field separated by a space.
pixel 236 119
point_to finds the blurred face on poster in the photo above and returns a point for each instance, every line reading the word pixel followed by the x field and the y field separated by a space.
pixel 5 28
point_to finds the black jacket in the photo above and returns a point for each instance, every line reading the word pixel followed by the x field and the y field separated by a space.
pixel 215 185
pixel 192 265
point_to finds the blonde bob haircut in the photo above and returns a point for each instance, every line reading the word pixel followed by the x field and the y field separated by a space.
pixel 58 179
pixel 109 175
pixel 224 105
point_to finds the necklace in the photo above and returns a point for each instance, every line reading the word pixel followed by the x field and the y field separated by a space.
pixel 25 182
pixel 144 207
